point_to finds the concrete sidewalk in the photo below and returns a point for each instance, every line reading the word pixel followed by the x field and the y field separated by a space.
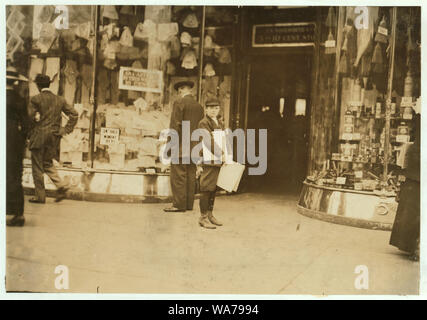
pixel 264 247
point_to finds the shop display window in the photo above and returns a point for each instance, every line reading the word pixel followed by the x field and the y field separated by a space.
pixel 374 130
pixel 141 52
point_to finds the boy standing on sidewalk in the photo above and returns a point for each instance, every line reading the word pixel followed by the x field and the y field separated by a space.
pixel 209 171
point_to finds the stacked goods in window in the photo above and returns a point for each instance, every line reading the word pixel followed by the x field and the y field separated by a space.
pixel 134 48
pixel 217 57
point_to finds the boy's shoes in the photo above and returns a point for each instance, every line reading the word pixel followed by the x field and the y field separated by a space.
pixel 173 209
pixel 16 221
pixel 213 220
pixel 204 222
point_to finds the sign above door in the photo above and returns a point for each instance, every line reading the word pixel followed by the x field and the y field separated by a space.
pixel 298 34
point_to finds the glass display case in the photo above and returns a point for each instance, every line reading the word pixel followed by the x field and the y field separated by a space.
pixel 376 117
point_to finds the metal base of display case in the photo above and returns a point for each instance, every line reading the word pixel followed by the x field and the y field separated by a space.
pixel 348 207
pixel 107 186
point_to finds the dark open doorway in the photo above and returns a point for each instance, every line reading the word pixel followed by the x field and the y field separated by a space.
pixel 281 83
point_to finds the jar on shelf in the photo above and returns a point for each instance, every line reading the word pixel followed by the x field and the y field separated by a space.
pixel 378 109
pixel 348 127
pixel 393 106
pixel 403 128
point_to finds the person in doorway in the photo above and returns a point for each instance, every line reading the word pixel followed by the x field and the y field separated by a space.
pixel 405 234
pixel 45 111
pixel 17 126
pixel 183 173
pixel 209 171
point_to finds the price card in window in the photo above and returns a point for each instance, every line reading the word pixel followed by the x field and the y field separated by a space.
pixel 383 31
pixel 341 180
pixel 109 136
pixel 358 174
pixel 406 102
pixel 355 104
pixel 407 116
pixel 347 136
pixel 402 138
pixel 330 44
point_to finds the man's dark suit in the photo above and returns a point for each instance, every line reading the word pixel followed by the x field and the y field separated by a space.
pixel 45 136
pixel 17 128
pixel 183 176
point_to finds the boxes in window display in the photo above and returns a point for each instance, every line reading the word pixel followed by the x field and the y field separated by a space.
pixel 139 132
pixel 73 146
pixel 149 122
pixel 116 153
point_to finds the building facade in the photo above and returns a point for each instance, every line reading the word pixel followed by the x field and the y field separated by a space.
pixel 334 87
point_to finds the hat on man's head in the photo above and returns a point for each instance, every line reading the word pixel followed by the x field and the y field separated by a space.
pixel 12 74
pixel 42 79
pixel 213 102
pixel 186 83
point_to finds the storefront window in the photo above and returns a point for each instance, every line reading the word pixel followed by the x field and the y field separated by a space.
pixel 18 44
pixel 374 129
pixel 217 57
pixel 142 53
pixel 61 48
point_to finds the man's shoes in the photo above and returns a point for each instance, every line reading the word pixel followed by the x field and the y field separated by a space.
pixel 213 220
pixel 415 256
pixel 61 193
pixel 35 200
pixel 16 221
pixel 173 209
pixel 204 222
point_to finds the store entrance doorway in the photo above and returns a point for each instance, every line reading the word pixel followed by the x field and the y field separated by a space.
pixel 279 101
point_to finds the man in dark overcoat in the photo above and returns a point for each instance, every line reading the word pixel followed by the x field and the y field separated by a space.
pixel 17 126
pixel 406 227
pixel 183 171
pixel 45 111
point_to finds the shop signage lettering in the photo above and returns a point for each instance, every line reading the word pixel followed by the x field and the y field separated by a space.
pixel 109 136
pixel 283 35
pixel 140 80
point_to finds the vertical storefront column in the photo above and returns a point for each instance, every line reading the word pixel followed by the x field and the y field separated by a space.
pixel 389 93
pixel 93 102
pixel 314 88
pixel 201 48
pixel 324 118
pixel 338 77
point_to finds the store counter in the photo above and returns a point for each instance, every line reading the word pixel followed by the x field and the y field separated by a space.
pixel 362 209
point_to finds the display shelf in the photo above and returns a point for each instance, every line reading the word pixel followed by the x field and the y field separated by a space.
pixel 349 207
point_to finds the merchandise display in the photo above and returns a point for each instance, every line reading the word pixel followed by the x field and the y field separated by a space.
pixel 147 39
pixel 374 131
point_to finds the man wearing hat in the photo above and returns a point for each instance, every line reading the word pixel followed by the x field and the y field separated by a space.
pixel 183 174
pixel 45 110
pixel 17 125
